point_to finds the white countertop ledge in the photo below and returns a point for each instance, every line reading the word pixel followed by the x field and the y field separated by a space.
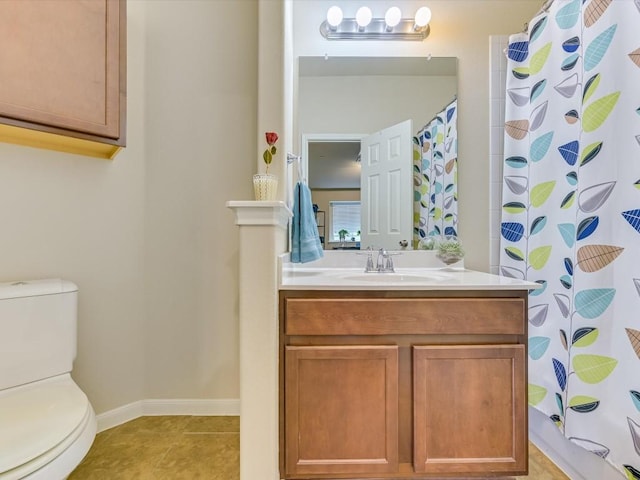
pixel 414 270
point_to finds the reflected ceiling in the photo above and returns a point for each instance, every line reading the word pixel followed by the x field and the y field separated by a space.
pixel 333 165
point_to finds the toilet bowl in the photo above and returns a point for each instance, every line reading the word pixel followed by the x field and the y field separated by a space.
pixel 47 424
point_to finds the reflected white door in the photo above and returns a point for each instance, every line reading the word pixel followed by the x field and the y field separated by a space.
pixel 386 187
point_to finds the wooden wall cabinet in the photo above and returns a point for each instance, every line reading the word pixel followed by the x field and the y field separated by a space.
pixel 395 384
pixel 63 75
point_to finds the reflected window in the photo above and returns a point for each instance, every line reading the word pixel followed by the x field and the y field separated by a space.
pixel 345 221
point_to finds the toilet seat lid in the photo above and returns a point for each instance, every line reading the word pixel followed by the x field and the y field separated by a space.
pixel 36 417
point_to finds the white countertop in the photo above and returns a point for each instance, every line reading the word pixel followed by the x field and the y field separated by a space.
pixel 414 270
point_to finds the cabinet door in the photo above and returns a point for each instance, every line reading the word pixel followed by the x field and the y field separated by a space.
pixel 62 65
pixel 341 409
pixel 470 409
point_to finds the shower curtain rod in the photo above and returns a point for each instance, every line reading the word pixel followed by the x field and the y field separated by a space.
pixel 546 5
pixel 544 8
pixel 455 97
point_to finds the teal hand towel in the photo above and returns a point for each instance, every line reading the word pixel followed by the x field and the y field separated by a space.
pixel 305 240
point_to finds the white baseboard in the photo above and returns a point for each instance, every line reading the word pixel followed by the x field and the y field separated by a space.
pixel 576 462
pixel 151 407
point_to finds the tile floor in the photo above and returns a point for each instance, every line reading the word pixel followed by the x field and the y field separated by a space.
pixel 196 448
pixel 165 448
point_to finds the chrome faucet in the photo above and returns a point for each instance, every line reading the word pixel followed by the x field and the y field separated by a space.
pixel 384 262
pixel 369 253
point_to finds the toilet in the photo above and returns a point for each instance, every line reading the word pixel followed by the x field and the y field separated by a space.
pixel 47 424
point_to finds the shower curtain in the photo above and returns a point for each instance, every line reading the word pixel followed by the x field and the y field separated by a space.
pixel 571 218
pixel 435 176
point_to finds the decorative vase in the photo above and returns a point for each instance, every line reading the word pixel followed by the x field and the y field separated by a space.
pixel 265 186
pixel 449 249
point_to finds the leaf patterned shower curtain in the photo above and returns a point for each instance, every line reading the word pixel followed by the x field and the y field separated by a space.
pixel 571 218
pixel 435 176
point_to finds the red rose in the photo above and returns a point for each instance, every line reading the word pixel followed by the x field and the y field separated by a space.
pixel 272 137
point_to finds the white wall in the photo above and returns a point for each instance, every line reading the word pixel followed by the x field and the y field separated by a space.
pixel 459 28
pixel 201 101
pixel 497 99
pixel 147 237
pixel 367 104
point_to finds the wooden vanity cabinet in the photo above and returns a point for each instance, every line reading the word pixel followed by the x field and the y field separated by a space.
pixel 343 402
pixel 470 409
pixel 402 384
pixel 63 71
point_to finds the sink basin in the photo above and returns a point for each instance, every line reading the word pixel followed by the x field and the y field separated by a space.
pixel 395 278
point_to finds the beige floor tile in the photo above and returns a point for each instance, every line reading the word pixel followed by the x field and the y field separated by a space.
pixel 209 449
pixel 133 473
pixel 213 424
pixel 205 455
pixel 129 454
pixel 157 424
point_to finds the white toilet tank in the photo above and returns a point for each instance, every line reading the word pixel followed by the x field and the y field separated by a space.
pixel 38 323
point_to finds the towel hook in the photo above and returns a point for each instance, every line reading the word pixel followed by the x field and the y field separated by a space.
pixel 297 158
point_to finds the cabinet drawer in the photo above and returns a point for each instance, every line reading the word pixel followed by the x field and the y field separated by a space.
pixel 397 316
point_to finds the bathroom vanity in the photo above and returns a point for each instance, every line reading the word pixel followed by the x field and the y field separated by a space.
pixel 417 374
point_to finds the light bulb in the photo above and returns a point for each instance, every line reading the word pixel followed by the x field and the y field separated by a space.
pixel 363 16
pixel 423 17
pixel 392 17
pixel 334 16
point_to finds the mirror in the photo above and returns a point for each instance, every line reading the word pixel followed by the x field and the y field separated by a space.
pixel 342 100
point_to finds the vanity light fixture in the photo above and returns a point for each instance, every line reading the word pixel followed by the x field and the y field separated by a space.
pixel 423 17
pixel 392 18
pixel 334 17
pixel 364 15
pixel 366 27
